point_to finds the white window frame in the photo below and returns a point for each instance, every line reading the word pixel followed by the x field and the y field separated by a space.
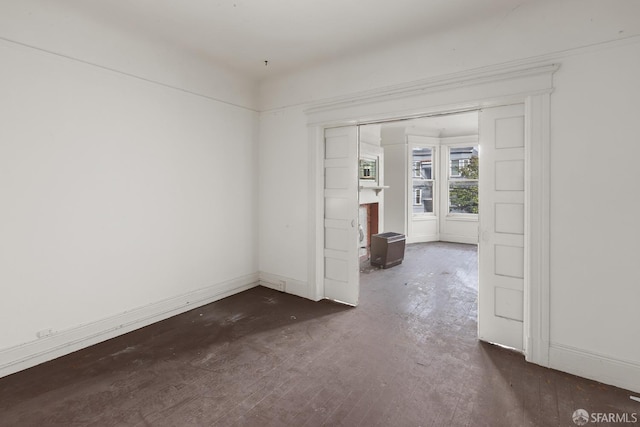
pixel 417 196
pixel 446 149
pixel 416 170
pixel 434 179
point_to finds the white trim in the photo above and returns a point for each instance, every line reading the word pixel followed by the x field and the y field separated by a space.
pixel 40 50
pixel 285 284
pixel 461 141
pixel 14 359
pixel 463 82
pixel 462 217
pixel 448 237
pixel 476 89
pixel 316 210
pixel 537 230
pixel 519 63
pixel 598 367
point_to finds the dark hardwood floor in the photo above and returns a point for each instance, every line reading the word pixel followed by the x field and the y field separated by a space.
pixel 406 356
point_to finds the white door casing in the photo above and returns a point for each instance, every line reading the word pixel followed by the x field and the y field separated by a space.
pixel 504 84
pixel 502 226
pixel 341 265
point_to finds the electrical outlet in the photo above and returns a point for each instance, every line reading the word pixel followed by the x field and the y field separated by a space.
pixel 281 285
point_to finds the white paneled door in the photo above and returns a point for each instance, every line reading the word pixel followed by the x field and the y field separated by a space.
pixel 501 215
pixel 341 265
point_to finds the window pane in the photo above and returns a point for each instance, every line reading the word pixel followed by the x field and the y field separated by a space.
pixel 422 163
pixel 368 169
pixel 422 173
pixel 422 197
pixel 463 162
pixel 463 197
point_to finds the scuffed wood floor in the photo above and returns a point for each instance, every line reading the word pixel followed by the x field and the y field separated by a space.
pixel 406 356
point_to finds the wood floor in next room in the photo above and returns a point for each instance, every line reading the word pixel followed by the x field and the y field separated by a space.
pixel 406 356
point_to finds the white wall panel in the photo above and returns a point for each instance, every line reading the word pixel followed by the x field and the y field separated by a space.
pixel 335 178
pixel 509 218
pixel 509 261
pixel 509 303
pixel 336 269
pixel 336 208
pixel 510 133
pixel 510 175
pixel 336 148
pixel 335 238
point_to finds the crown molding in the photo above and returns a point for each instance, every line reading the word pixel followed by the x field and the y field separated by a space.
pixel 531 66
pixel 457 80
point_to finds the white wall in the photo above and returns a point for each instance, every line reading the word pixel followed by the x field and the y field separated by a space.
pixel 123 200
pixel 594 292
pixel 75 30
pixel 284 200
pixel 396 170
pixel 535 28
pixel 595 204
pixel 133 181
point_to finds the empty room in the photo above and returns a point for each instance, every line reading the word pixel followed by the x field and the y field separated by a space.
pixel 189 192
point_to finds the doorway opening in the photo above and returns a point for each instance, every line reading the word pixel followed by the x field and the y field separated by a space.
pixel 514 106
pixel 420 178
pixel 425 186
pixel 435 182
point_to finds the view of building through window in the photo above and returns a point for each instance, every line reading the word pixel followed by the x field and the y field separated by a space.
pixel 463 179
pixel 423 182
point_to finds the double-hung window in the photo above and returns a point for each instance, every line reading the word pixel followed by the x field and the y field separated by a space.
pixel 463 180
pixel 423 180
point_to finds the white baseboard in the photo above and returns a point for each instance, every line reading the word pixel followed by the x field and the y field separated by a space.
pixel 14 359
pixel 422 239
pixel 457 238
pixel 285 284
pixel 604 369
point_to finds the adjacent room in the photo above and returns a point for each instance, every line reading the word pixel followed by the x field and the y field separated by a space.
pixel 424 179
pixel 189 192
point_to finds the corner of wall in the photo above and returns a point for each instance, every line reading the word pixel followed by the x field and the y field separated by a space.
pixel 14 359
pixel 286 284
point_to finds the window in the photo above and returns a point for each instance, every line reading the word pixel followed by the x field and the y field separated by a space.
pixel 416 169
pixel 423 182
pixel 463 180
pixel 417 196
pixel 369 169
pixel 457 166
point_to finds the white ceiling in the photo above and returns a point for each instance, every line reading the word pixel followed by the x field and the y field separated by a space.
pixel 446 125
pixel 290 34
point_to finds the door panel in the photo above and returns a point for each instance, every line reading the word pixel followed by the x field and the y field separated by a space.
pixel 341 268
pixel 501 251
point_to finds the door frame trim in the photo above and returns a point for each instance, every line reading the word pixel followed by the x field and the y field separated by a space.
pixel 531 84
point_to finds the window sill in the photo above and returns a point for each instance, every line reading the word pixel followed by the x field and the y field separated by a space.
pixel 424 217
pixel 462 217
